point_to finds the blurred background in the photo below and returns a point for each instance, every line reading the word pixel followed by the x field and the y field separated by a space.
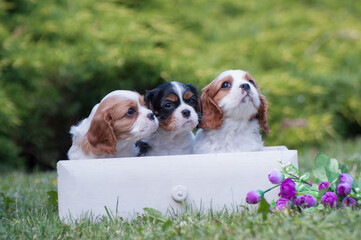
pixel 58 58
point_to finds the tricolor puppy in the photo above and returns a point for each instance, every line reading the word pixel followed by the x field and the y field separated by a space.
pixel 177 108
pixel 114 125
pixel 233 111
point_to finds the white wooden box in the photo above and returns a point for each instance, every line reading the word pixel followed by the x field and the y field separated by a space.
pixel 86 187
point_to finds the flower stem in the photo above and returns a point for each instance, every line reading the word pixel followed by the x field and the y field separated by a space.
pixel 271 188
pixel 293 176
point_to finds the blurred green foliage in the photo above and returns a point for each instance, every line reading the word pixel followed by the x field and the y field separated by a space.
pixel 58 58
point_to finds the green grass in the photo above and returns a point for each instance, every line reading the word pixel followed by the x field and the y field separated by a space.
pixel 32 216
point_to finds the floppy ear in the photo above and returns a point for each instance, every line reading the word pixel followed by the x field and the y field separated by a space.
pixel 262 110
pixel 212 115
pixel 100 134
pixel 262 114
pixel 148 98
pixel 198 106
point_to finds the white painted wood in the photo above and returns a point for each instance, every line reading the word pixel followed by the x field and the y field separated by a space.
pixel 217 180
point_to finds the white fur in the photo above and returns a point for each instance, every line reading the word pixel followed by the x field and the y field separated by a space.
pixel 142 128
pixel 175 142
pixel 237 133
pixel 168 143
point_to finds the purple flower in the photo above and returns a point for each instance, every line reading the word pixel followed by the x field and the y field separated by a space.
pixel 343 189
pixel 254 197
pixel 310 201
pixel 306 200
pixel 349 202
pixel 297 200
pixel 288 189
pixel 329 199
pixel 346 178
pixel 282 203
pixel 275 177
pixel 324 185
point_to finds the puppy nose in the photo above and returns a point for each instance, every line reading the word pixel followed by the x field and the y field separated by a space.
pixel 150 116
pixel 186 113
pixel 245 86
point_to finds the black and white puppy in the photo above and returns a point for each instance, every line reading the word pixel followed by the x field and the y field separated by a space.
pixel 177 107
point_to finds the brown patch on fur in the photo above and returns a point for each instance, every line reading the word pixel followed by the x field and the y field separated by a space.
pixel 111 123
pixel 142 101
pixel 169 124
pixel 212 115
pixel 187 95
pixel 222 92
pixel 263 108
pixel 250 79
pixel 262 113
pixel 88 148
pixel 172 98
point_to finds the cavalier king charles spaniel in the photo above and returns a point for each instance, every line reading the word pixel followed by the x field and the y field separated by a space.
pixel 113 127
pixel 233 110
pixel 177 108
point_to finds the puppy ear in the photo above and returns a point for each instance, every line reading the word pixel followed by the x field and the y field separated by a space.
pixel 212 115
pixel 262 114
pixel 262 110
pixel 198 106
pixel 193 89
pixel 100 134
pixel 148 98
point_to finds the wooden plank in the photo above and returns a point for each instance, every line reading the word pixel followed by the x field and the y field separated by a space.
pixel 213 180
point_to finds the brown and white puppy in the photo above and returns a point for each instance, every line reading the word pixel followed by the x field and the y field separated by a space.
pixel 177 107
pixel 233 110
pixel 112 128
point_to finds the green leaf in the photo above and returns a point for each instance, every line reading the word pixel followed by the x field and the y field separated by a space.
pixel 305 176
pixel 319 170
pixel 300 187
pixel 321 193
pixel 166 224
pixel 153 213
pixel 273 203
pixel 313 193
pixel 343 168
pixel 264 208
pixel 326 169
pixel 332 170
pixel 110 215
pixel 320 207
pixel 322 160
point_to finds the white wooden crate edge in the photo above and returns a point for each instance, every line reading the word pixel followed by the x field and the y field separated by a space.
pixel 130 184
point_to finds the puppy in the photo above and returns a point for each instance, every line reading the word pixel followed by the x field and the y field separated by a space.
pixel 177 108
pixel 112 128
pixel 233 111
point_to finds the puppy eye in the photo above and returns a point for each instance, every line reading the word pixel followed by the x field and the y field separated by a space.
pixel 252 82
pixel 192 101
pixel 226 85
pixel 168 105
pixel 131 112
